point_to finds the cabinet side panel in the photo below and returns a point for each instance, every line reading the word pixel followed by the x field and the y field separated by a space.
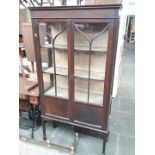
pixel 113 35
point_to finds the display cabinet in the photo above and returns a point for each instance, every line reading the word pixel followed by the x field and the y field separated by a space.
pixel 75 50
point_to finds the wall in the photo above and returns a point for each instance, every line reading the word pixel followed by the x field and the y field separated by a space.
pixel 128 9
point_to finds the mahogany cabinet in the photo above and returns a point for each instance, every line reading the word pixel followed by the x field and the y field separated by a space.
pixel 75 49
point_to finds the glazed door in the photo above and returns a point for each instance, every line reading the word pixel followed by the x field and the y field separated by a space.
pixel 54 68
pixel 90 53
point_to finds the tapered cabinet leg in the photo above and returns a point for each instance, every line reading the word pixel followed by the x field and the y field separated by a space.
pixel 104 145
pixel 44 129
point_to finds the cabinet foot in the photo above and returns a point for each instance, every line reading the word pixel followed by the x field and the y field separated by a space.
pixel 44 130
pixel 104 145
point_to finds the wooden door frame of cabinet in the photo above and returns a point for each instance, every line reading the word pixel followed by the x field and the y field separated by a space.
pixel 70 39
pixel 112 40
pixel 115 38
pixel 38 58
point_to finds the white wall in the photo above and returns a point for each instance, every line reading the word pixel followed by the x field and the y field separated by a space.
pixel 128 9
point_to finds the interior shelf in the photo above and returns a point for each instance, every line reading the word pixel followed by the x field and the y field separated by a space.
pixel 93 75
pixel 94 98
pixel 81 96
pixel 59 71
pixel 61 46
pixel 61 92
pixel 78 73
pixel 77 47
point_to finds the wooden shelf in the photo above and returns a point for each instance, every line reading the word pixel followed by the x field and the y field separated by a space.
pixel 94 48
pixel 77 48
pixel 93 75
pixel 78 73
pixel 59 46
pixel 81 96
pixel 59 71
pixel 61 92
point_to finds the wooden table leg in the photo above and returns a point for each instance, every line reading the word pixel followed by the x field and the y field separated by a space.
pixel 36 115
pixel 54 124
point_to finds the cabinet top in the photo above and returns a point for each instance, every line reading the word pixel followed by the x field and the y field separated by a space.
pixel 85 11
pixel 103 6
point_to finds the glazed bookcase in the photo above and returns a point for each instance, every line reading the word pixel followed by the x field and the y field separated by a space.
pixel 75 49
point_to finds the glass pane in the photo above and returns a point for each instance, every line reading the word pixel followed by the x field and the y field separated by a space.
pixel 96 92
pixel 60 88
pixel 53 47
pixel 90 52
pixel 98 66
pixel 81 63
pixel 47 82
pixel 81 90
